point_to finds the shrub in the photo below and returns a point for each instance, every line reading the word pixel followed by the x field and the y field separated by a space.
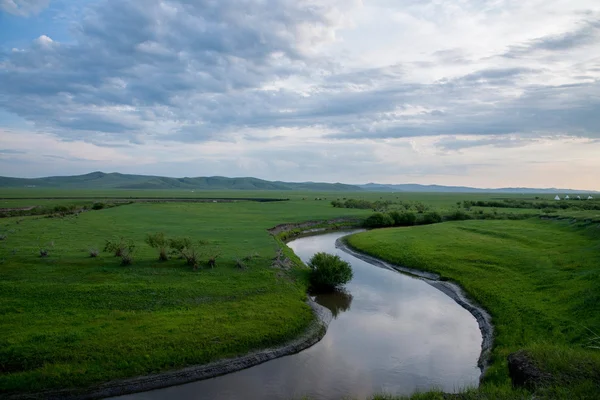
pixel 191 256
pixel 98 206
pixel 328 271
pixel 457 215
pixel 43 253
pixel 94 253
pixel 240 264
pixel 179 244
pixel 431 217
pixel 158 241
pixel 118 246
pixel 186 249
pixel 212 260
pixel 127 256
pixel 379 220
pixel 403 218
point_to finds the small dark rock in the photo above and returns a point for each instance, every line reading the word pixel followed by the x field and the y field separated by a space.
pixel 524 373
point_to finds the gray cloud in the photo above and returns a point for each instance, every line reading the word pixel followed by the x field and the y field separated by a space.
pixel 132 54
pixel 190 71
pixel 452 143
pixel 11 151
pixel 588 33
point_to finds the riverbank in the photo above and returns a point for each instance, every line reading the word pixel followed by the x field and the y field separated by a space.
pixel 538 279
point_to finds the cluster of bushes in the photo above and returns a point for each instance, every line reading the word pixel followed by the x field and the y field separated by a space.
pixel 361 204
pixel 408 218
pixel 194 253
pixel 541 205
pixel 380 205
pixel 404 218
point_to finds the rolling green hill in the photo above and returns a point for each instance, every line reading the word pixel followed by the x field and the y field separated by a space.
pixel 101 180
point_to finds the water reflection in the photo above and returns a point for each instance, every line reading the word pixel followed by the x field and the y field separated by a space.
pixel 337 301
pixel 393 334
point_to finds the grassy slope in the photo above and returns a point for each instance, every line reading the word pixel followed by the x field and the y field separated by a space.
pixel 70 320
pixel 538 279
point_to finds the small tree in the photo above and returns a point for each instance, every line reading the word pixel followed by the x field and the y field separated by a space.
pixel 432 217
pixel 379 220
pixel 328 271
pixel 179 244
pixel 127 255
pixel 158 241
pixel 117 246
pixel 212 259
pixel 404 218
pixel 186 249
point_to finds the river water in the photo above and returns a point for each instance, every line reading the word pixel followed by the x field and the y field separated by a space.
pixel 391 333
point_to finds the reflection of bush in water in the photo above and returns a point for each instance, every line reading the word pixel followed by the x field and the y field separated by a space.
pixel 337 301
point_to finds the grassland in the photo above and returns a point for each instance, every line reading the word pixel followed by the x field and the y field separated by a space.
pixel 68 320
pixel 538 279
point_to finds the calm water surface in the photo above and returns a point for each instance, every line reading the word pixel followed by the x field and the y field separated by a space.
pixel 391 333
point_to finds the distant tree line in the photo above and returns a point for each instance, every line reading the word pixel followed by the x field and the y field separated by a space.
pixel 361 204
pixel 408 218
pixel 541 205
pixel 379 205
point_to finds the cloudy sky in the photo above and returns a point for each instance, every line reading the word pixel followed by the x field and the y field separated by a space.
pixel 486 93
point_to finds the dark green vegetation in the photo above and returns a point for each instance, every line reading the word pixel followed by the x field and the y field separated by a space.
pixel 539 280
pixel 328 271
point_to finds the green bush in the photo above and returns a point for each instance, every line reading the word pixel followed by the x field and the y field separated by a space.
pixel 187 250
pixel 379 220
pixel 431 217
pixel 119 246
pixel 403 218
pixel 127 255
pixel 328 271
pixel 457 215
pixel 158 241
pixel 98 206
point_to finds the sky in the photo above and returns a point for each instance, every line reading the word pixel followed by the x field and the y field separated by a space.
pixel 485 93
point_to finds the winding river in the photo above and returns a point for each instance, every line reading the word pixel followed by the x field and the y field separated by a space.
pixel 390 333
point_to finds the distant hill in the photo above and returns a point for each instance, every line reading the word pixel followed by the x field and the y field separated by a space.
pixel 413 187
pixel 101 180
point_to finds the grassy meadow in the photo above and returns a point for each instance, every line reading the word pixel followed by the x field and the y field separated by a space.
pixel 69 320
pixel 538 279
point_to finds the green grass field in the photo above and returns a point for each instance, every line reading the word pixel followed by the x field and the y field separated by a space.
pixel 539 280
pixel 68 320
